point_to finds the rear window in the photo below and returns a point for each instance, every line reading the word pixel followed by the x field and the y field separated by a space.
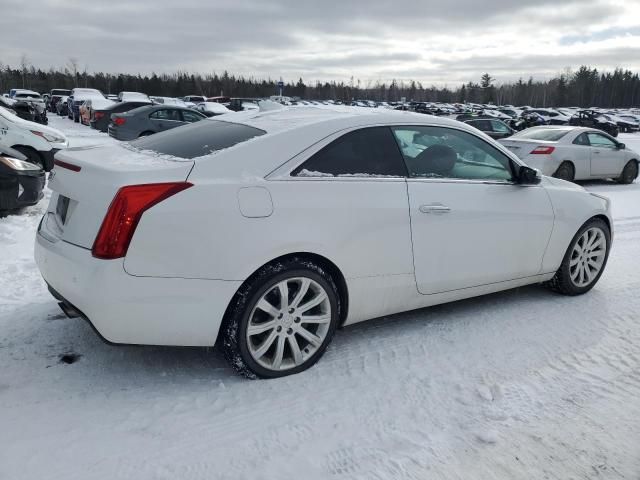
pixel 551 135
pixel 198 139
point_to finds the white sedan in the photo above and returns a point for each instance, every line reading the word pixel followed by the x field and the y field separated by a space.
pixel 269 230
pixel 574 153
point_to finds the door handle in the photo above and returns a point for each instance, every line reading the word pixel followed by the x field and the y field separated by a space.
pixel 435 208
pixel 596 152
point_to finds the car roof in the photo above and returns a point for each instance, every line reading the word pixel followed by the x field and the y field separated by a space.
pixel 289 118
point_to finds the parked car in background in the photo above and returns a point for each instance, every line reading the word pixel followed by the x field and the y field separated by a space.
pixel 634 120
pixel 624 125
pixel 38 143
pixel 31 111
pixel 78 97
pixel 574 153
pixel 302 221
pixel 56 95
pixel 150 119
pixel 133 97
pixel 87 108
pixel 219 99
pixel 21 182
pixel 192 100
pixel 211 109
pixel 493 127
pixel 551 117
pixel 594 119
pixel 169 101
pixel 62 106
pixel 100 117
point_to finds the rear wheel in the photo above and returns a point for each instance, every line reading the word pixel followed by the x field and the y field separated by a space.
pixel 585 259
pixel 629 172
pixel 282 320
pixel 565 172
pixel 32 155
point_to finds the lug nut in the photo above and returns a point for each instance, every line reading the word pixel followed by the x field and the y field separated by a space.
pixel 290 331
pixel 297 320
pixel 279 329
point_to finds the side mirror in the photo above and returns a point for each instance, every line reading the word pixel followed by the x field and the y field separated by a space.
pixel 529 176
pixel 621 146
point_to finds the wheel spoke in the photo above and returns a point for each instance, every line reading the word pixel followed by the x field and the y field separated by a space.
pixel 267 307
pixel 283 288
pixel 295 349
pixel 262 349
pixel 324 318
pixel 313 302
pixel 312 338
pixel 304 288
pixel 575 273
pixel 277 359
pixel 587 274
pixel 261 328
pixel 574 261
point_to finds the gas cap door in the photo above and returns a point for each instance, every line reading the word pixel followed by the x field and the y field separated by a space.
pixel 255 202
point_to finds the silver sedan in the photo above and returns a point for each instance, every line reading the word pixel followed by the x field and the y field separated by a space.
pixel 574 153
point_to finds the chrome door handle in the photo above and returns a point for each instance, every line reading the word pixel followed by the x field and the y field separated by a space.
pixel 435 208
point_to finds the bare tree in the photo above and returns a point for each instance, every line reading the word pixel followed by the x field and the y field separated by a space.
pixel 24 66
pixel 72 66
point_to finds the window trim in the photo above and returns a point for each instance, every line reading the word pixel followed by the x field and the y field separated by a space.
pixel 283 171
pixel 163 119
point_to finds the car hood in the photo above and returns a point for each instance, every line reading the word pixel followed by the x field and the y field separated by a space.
pixel 556 182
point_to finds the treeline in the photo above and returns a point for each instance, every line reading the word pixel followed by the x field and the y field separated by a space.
pixel 586 87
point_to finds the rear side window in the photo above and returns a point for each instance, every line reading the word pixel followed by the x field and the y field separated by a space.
pixel 198 139
pixel 365 152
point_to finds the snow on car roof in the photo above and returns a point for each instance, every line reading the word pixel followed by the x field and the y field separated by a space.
pixel 289 118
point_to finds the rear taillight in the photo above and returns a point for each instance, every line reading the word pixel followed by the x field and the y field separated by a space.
pixel 98 115
pixel 125 212
pixel 543 150
pixel 119 121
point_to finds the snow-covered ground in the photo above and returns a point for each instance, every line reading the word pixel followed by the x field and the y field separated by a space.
pixel 524 384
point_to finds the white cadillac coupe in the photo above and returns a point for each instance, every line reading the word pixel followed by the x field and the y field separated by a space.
pixel 268 230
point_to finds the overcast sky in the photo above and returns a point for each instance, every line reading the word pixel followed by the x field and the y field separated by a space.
pixel 435 42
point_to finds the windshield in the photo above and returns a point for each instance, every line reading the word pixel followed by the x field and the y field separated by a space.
pixel 549 134
pixel 198 139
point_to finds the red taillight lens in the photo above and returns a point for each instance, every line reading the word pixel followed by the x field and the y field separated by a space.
pixel 98 115
pixel 119 121
pixel 543 150
pixel 125 212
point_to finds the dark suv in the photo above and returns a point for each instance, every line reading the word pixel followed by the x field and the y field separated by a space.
pixel 491 126
pixel 55 95
pixel 594 119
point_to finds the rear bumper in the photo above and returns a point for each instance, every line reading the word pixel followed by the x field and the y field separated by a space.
pixel 133 310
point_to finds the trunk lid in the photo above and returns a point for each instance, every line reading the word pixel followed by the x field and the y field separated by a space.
pixel 523 147
pixel 81 198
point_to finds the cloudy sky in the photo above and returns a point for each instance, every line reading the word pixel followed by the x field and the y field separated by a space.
pixel 435 42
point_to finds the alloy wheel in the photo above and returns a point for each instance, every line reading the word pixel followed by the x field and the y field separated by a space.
pixel 288 324
pixel 588 257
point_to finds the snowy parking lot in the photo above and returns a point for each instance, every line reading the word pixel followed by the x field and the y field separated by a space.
pixel 524 384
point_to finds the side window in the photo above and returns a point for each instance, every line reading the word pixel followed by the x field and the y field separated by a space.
pixel 482 125
pixel 365 152
pixel 581 140
pixel 166 115
pixel 598 140
pixel 440 152
pixel 190 116
pixel 499 127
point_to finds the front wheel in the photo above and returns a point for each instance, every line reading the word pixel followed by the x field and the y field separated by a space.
pixel 565 172
pixel 282 320
pixel 585 259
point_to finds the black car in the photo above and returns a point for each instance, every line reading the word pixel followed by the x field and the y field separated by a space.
pixel 100 118
pixel 594 119
pixel 62 106
pixel 55 95
pixel 21 182
pixel 491 126
pixel 32 111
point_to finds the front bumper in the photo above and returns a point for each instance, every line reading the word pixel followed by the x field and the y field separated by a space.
pixel 128 309
pixel 21 189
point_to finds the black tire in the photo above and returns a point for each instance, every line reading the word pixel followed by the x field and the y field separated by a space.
pixel 562 282
pixel 76 118
pixel 629 173
pixel 32 155
pixel 234 326
pixel 565 172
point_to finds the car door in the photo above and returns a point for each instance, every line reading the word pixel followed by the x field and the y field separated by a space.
pixel 606 157
pixel 471 224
